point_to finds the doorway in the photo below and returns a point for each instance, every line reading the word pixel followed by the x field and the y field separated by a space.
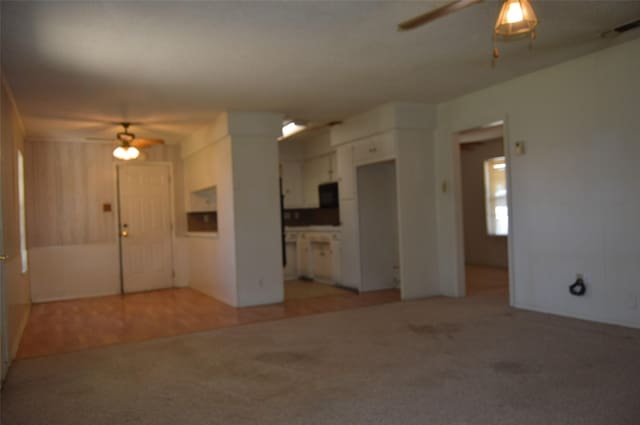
pixel 4 336
pixel 485 211
pixel 145 227
pixel 378 222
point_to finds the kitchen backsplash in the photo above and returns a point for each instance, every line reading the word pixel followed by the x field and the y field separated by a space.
pixel 312 217
pixel 202 221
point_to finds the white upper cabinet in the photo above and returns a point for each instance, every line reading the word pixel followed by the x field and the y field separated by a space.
pixel 333 167
pixel 203 200
pixel 374 149
pixel 292 184
pixel 199 175
pixel 311 180
pixel 315 171
pixel 345 172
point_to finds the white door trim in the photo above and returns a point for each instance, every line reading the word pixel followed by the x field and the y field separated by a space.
pixel 5 357
pixel 117 224
pixel 458 242
pixel 393 161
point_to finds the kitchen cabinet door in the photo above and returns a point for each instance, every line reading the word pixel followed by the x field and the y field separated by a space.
pixel 292 184
pixel 349 245
pixel 302 249
pixel 345 172
pixel 336 270
pixel 321 261
pixel 310 184
pixel 374 149
pixel 333 167
pixel 291 269
pixel 199 173
pixel 316 171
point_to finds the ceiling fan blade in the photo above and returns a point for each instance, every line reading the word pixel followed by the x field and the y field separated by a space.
pixel 440 12
pixel 145 143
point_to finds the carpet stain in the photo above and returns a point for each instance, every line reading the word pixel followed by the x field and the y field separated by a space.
pixel 435 331
pixel 284 358
pixel 509 368
pixel 435 379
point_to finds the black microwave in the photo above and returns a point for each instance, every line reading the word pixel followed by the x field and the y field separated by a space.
pixel 328 195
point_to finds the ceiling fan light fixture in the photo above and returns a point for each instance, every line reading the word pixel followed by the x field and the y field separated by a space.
pixel 516 19
pixel 126 153
pixel 126 136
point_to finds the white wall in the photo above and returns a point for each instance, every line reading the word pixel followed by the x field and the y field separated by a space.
pixel 575 193
pixel 70 237
pixel 260 278
pixel 243 265
pixel 401 131
pixel 417 209
pixel 74 271
pixel 211 261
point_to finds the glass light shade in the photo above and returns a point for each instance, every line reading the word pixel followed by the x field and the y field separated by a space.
pixel 291 128
pixel 126 153
pixel 516 19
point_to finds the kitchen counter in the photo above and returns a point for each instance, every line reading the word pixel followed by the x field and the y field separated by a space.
pixel 208 235
pixel 312 229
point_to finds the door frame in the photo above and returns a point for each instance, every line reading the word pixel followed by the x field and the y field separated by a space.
pixel 117 222
pixel 458 242
pixel 394 161
pixel 5 357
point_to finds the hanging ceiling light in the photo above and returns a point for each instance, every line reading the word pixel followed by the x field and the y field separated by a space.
pixel 126 152
pixel 516 20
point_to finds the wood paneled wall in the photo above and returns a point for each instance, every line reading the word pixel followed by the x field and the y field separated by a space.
pixel 67 185
pixel 17 291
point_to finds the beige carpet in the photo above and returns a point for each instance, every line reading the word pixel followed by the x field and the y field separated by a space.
pixel 432 362
pixel 299 289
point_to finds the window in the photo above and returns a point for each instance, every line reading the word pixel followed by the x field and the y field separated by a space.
pixel 21 212
pixel 495 188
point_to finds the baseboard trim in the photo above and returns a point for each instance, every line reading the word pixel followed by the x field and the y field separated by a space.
pixel 74 297
pixel 15 344
pixel 578 316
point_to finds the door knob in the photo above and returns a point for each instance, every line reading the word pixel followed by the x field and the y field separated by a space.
pixel 4 257
pixel 124 233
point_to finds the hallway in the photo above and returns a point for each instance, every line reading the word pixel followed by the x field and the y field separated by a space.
pixel 486 280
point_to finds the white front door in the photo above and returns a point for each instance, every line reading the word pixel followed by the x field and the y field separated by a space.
pixel 145 227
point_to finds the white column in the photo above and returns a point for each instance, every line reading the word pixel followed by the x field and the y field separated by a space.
pixel 256 207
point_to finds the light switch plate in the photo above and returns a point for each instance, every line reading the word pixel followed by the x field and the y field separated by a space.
pixel 520 148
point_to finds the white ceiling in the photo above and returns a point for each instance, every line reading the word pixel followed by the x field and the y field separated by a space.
pixel 76 66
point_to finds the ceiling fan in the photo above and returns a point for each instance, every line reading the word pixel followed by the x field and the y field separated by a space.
pixel 129 146
pixel 516 19
pixel 434 14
